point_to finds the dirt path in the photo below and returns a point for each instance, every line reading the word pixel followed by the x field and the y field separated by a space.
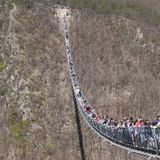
pixel 61 12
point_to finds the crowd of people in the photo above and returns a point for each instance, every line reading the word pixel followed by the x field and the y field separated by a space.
pixel 109 121
pixel 127 122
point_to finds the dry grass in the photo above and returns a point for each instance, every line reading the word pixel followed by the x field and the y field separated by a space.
pixel 18 128
pixel 118 72
pixel 144 10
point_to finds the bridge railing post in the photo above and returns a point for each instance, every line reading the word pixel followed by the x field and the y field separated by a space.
pixel 156 138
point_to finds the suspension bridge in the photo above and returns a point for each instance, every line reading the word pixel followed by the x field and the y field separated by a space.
pixel 147 142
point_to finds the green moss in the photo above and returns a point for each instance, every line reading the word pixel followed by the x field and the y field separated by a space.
pixel 20 152
pixel 49 148
pixel 2 66
pixel 18 128
pixel 17 125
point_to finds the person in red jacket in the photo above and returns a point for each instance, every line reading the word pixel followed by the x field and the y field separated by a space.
pixel 139 122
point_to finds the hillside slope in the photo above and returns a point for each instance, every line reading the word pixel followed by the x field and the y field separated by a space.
pixel 37 118
pixel 118 64
pixel 117 61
